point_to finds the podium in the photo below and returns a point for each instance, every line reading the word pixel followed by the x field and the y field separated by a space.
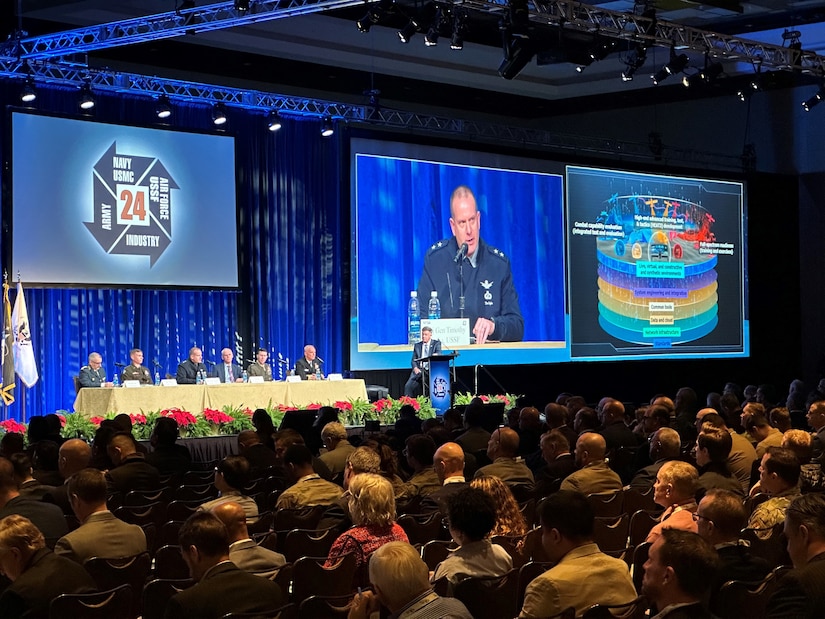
pixel 439 380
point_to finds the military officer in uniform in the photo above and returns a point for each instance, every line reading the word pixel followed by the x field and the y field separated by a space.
pixel 490 298
pixel 93 375
pixel 135 370
pixel 260 367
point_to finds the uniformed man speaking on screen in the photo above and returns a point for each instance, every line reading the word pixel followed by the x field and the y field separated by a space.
pixel 490 298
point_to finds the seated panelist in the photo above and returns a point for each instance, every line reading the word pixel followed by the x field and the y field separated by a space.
pixel 188 370
pixel 308 366
pixel 260 367
pixel 135 370
pixel 93 374
pixel 228 371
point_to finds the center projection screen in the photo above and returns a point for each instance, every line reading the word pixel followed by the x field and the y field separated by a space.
pixel 598 264
pixel 121 206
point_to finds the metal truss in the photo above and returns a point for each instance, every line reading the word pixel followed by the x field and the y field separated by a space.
pixel 561 13
pixel 64 74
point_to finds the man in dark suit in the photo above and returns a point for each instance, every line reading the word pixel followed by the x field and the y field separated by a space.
pixel 221 587
pixel 243 551
pixel 167 456
pixel 47 518
pixel 559 463
pixel 131 471
pixel 426 347
pixel 448 463
pixel 228 371
pixel 93 375
pixel 800 593
pixel 259 455
pixel 189 369
pixel 308 366
pixel 678 573
pixel 37 574
pixel 74 455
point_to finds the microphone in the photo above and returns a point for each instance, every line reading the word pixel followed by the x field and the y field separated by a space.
pixel 461 254
pixel 156 364
pixel 319 360
pixel 207 361
pixel 283 362
pixel 120 365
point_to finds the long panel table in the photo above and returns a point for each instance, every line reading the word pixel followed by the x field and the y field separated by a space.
pixel 195 398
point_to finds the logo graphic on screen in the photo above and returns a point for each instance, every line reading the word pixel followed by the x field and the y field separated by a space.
pixel 132 205
pixel 440 388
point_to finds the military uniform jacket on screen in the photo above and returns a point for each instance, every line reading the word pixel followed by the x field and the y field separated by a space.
pixel 136 372
pixel 92 378
pixel 488 288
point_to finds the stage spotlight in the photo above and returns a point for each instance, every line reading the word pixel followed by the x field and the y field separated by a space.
pixel 163 108
pixel 441 20
pixel 219 114
pixel 408 31
pixel 518 53
pixel 28 93
pixel 635 61
pixel 242 5
pixel 273 121
pixel 87 99
pixel 366 22
pixel 815 100
pixel 705 76
pixel 459 30
pixel 675 65
pixel 327 128
pixel 519 14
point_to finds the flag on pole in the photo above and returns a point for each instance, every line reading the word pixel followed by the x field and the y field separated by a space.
pixel 24 361
pixel 7 387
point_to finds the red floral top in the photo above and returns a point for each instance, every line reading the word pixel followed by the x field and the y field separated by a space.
pixel 363 541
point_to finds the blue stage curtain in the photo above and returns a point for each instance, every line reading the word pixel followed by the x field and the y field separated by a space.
pixel 290 252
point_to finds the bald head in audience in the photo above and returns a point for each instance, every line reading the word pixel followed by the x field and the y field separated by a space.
pixel 589 448
pixel 74 456
pixel 233 517
pixel 503 444
pixel 449 461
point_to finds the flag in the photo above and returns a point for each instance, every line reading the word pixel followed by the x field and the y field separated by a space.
pixel 7 387
pixel 24 361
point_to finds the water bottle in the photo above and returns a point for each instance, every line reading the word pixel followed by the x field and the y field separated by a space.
pixel 157 378
pixel 245 376
pixel 116 380
pixel 413 319
pixel 434 306
pixel 317 373
pixel 199 377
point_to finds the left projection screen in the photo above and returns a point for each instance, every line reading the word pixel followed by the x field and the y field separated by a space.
pixel 111 205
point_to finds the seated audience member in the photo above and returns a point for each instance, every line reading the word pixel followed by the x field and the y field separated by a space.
pixel 243 551
pixel 259 456
pixel 448 464
pixel 653 418
pixel 287 437
pixel 399 579
pixel 593 475
pixel 100 454
pixel 308 488
pixel 221 587
pixel 582 574
pixel 231 475
pixel 264 427
pixel 100 534
pixel 420 450
pixel 475 438
pixel 720 518
pixel 509 519
pixel 810 473
pixel 372 507
pixel 765 434
pixel 37 575
pixel 780 419
pixel 680 569
pixel 686 403
pixel 29 487
pixel 530 429
pixel 585 420
pixel 502 449
pixel 44 463
pixel 389 463
pixel 11 443
pixel 408 423
pixel 665 445
pixel 742 454
pixel 53 429
pixel 778 477
pixel 362 460
pixel 557 417
pixel 800 593
pixel 471 515
pixel 712 450
pixel 131 471
pixel 615 431
pixel 166 456
pixel 675 490
pixel 47 518
pixel 75 455
pixel 816 420
pixel 334 435
pixel 558 462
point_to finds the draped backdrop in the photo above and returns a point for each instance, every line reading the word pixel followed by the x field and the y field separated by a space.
pixel 291 254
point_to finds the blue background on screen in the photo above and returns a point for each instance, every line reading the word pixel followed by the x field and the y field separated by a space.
pixel 402 208
pixel 53 159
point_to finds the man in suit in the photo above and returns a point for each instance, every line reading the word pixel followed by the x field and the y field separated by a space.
pixel 100 534
pixel 260 367
pixel 309 365
pixel 243 551
pixel 594 474
pixel 188 370
pixel 502 449
pixel 334 435
pixel 816 419
pixel 74 455
pixel 800 593
pixel 559 463
pixel 167 456
pixel 47 518
pixel 136 370
pixel 426 347
pixel 36 573
pixel 228 371
pixel 131 471
pixel 678 573
pixel 221 587
pixel 448 463
pixel 93 375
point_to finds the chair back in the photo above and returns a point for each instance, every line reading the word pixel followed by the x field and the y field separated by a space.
pixel 181 510
pixel 528 511
pixel 634 500
pixel 154 513
pixel 116 602
pixel 198 478
pixel 146 497
pixel 202 492
pixel 169 564
pixel 522 492
pixel 283 578
pixel 636 609
pixel 310 576
pixel 436 551
pixel 639 558
pixel 515 547
pixel 625 554
pixel 77 385
pixel 527 574
pixel 641 522
pixel 620 460
pixel 533 547
pixel 288 611
pixel 421 528
pixel 263 524
pixel 769 543
pixel 489 598
pixel 611 533
pixel 752 502
pixel 109 574
pixel 607 504
pixel 308 543
pixel 302 518
pixel 326 606
pixel 158 592
pixel 737 598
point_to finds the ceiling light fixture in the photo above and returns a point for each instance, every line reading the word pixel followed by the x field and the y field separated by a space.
pixel 675 65
pixel 408 31
pixel 273 121
pixel 442 20
pixel 327 127
pixel 811 103
pixel 459 30
pixel 28 93
pixel 87 99
pixel 600 50
pixel 635 61
pixel 219 114
pixel 163 108
pixel 242 5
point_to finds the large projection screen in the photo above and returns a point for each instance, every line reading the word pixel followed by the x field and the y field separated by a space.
pixel 111 205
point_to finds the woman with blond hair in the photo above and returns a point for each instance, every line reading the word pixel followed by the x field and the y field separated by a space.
pixel 509 519
pixel 371 502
